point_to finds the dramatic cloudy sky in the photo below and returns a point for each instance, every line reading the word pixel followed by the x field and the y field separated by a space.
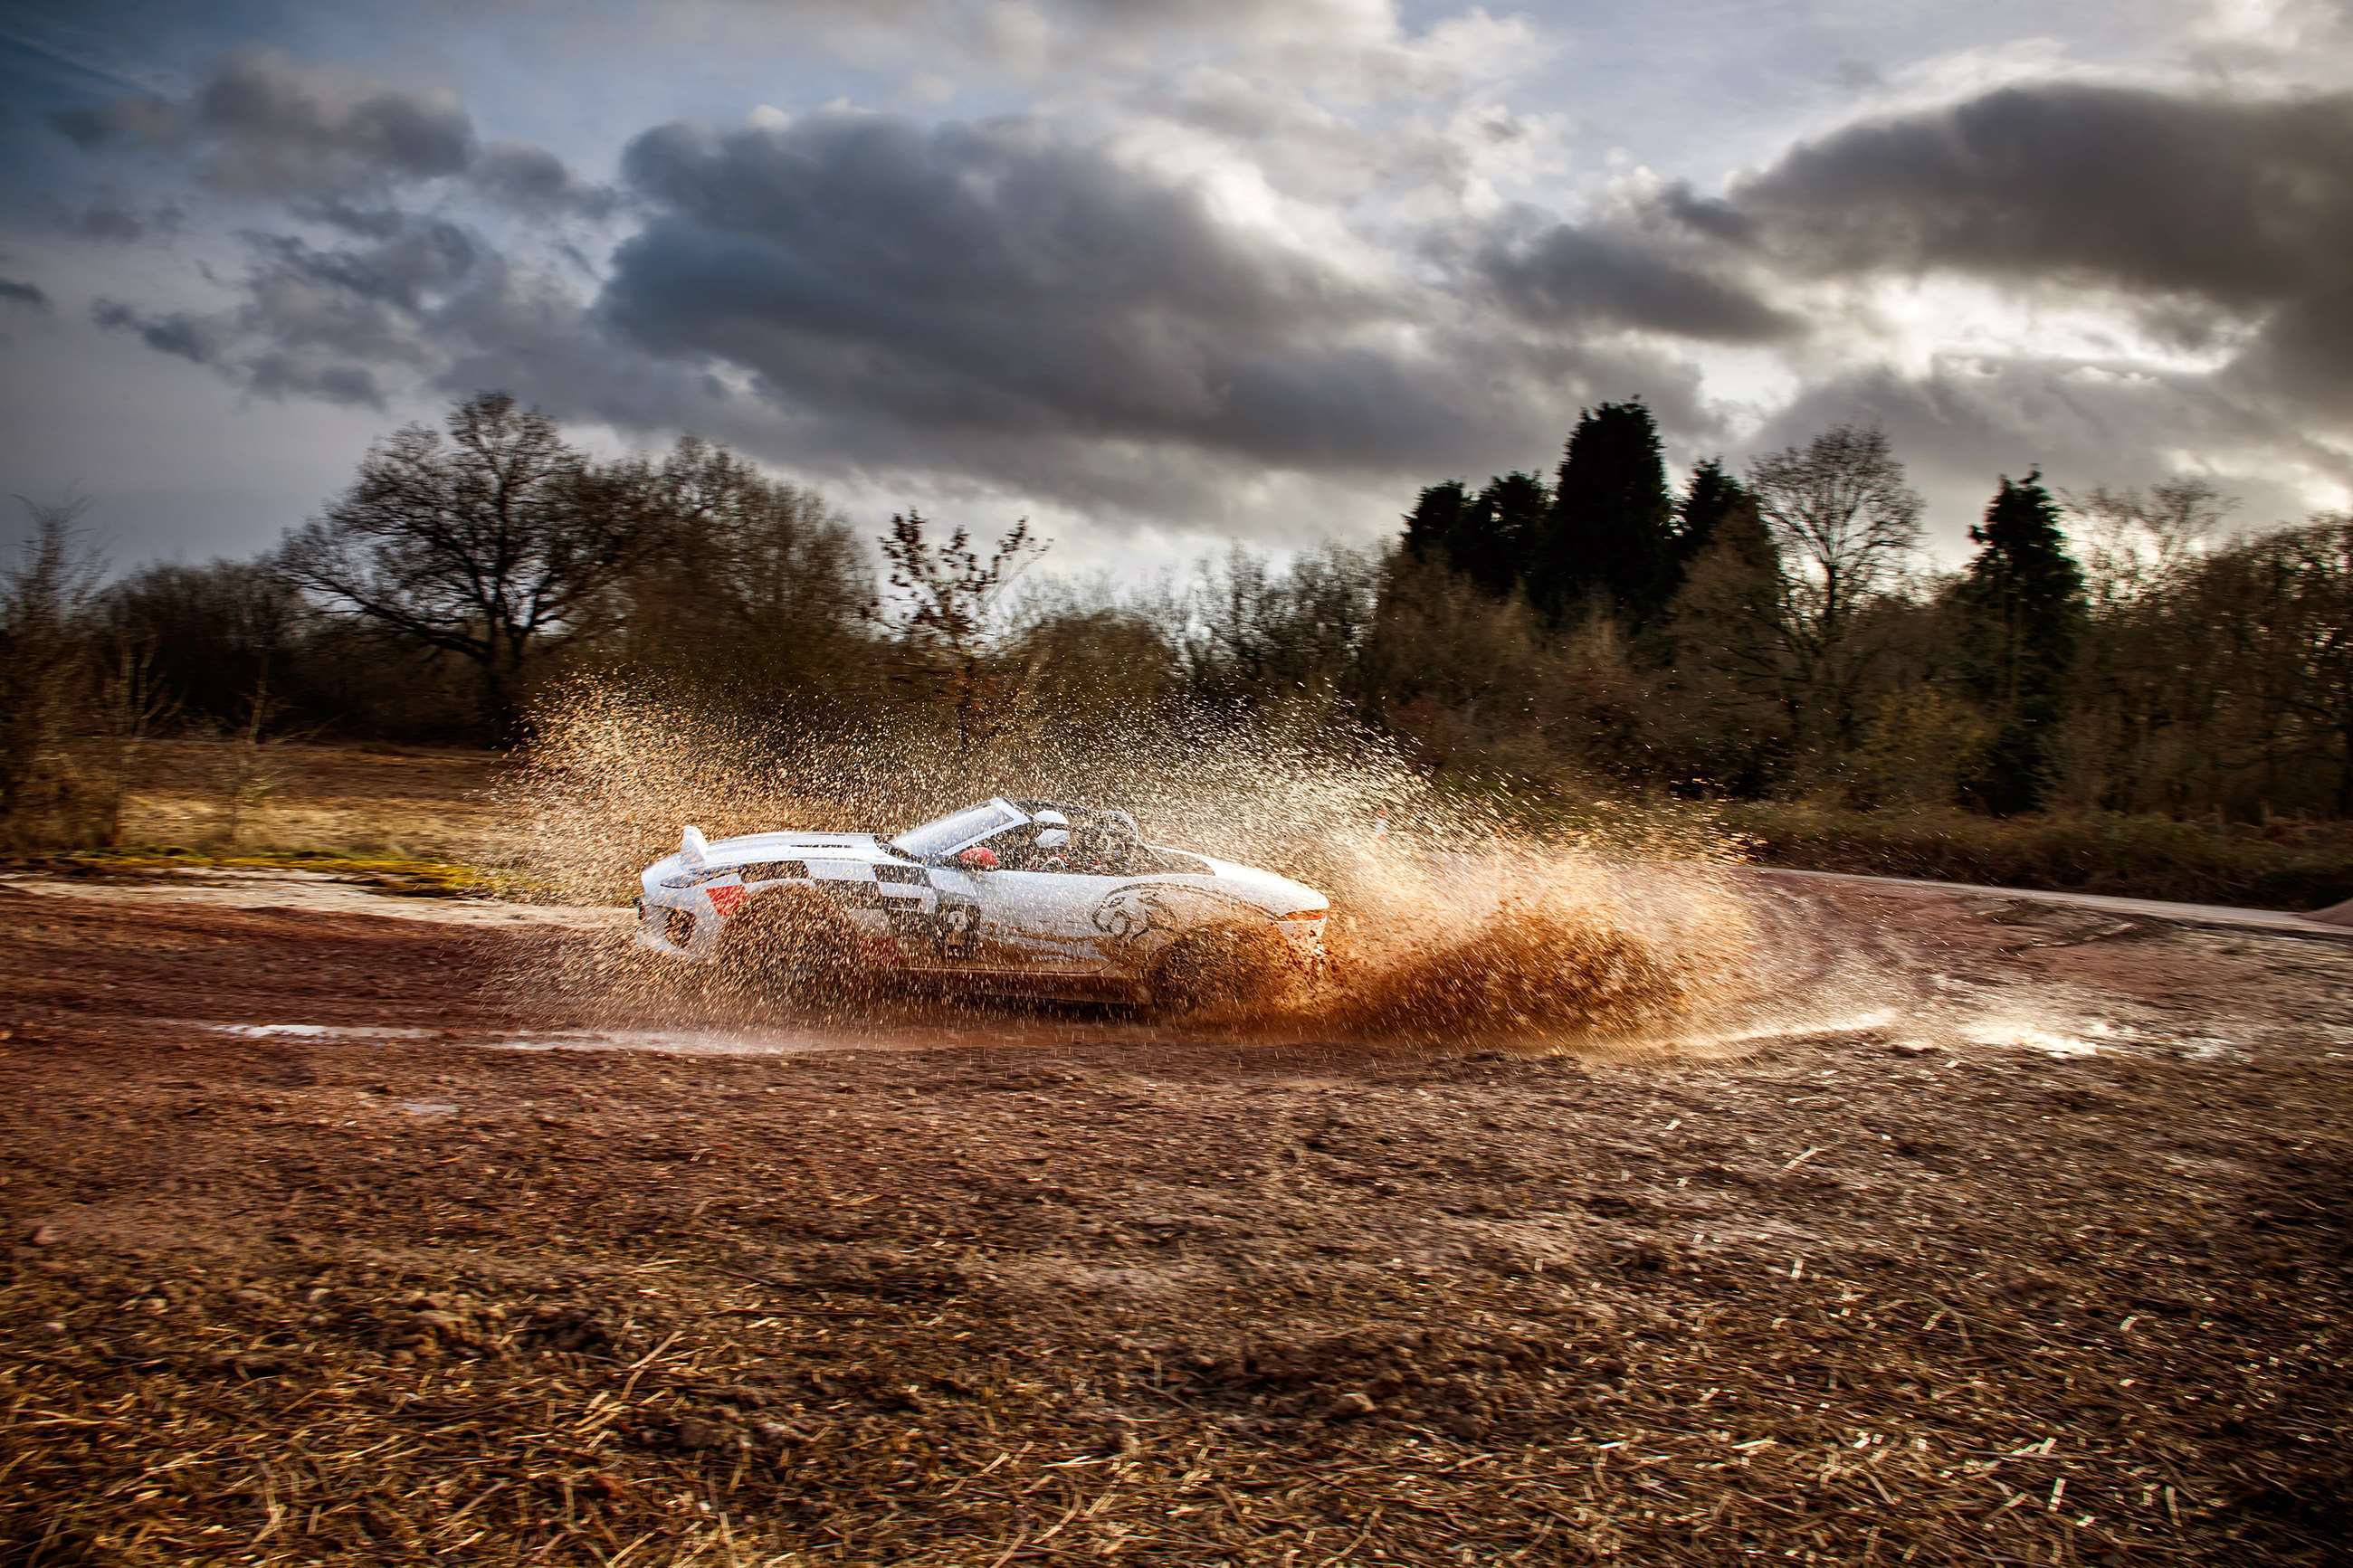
pixel 1156 275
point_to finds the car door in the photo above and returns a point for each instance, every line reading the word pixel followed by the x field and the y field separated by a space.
pixel 1047 916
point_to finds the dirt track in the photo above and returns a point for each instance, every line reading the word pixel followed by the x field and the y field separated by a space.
pixel 2036 1255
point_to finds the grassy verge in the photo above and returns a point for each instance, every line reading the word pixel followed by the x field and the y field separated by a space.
pixel 2287 865
pixel 391 873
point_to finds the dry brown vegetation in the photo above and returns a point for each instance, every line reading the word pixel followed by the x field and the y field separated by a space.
pixel 1014 1288
pixel 366 800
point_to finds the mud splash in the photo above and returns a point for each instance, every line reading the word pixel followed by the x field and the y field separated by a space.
pixel 1530 942
pixel 1458 921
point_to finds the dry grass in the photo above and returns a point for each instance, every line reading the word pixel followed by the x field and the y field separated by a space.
pixel 363 802
pixel 404 875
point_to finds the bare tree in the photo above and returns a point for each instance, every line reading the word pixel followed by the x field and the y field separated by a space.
pixel 2132 541
pixel 1256 631
pixel 486 544
pixel 2282 635
pixel 945 619
pixel 45 600
pixel 760 590
pixel 2148 729
pixel 1843 522
pixel 131 702
pixel 252 776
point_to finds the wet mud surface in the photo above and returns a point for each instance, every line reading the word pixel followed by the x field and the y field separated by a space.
pixel 2007 1234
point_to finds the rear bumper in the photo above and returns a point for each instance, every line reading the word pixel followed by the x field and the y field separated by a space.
pixel 675 931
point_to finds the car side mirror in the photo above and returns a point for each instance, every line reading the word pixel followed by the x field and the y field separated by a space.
pixel 979 857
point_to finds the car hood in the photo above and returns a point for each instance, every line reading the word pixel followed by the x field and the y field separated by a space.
pixel 1277 895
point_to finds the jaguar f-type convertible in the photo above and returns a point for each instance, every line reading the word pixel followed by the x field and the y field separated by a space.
pixel 1045 897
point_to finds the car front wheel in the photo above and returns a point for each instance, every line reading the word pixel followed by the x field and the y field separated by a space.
pixel 1224 968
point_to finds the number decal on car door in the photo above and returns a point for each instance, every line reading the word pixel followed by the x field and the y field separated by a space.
pixel 956 931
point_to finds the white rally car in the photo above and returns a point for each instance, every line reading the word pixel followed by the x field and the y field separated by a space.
pixel 1045 897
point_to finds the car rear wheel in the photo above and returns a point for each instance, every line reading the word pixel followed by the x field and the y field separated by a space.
pixel 793 942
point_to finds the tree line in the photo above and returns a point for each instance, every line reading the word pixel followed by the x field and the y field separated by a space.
pixel 1779 633
pixel 1774 632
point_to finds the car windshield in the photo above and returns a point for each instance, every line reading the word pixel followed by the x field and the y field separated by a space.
pixel 937 837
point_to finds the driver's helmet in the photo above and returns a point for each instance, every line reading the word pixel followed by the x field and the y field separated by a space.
pixel 1054 838
pixel 1052 821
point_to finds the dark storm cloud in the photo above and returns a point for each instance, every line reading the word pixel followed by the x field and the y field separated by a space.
pixel 28 294
pixel 323 321
pixel 2305 354
pixel 264 125
pixel 126 121
pixel 410 259
pixel 351 217
pixel 2245 203
pixel 533 181
pixel 989 282
pixel 1710 215
pixel 279 375
pixel 1591 277
pixel 179 334
pixel 112 222
pixel 2239 209
pixel 280 129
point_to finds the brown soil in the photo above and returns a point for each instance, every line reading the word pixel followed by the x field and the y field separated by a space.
pixel 1036 1287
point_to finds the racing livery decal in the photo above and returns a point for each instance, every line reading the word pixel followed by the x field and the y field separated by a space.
pixel 1026 912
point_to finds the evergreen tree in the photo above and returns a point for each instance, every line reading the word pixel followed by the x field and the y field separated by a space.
pixel 1712 497
pixel 1431 526
pixel 1608 539
pixel 1508 516
pixel 1484 536
pixel 2025 607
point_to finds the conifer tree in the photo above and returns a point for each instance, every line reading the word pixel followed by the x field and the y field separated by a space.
pixel 1437 514
pixel 1507 518
pixel 2025 607
pixel 1484 536
pixel 1608 539
pixel 1712 497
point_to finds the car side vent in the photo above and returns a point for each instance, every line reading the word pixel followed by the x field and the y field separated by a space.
pixel 776 871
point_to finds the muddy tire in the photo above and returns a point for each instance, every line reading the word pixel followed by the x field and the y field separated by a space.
pixel 1225 968
pixel 793 942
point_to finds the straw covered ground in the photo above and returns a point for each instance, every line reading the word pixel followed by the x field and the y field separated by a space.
pixel 2040 1257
